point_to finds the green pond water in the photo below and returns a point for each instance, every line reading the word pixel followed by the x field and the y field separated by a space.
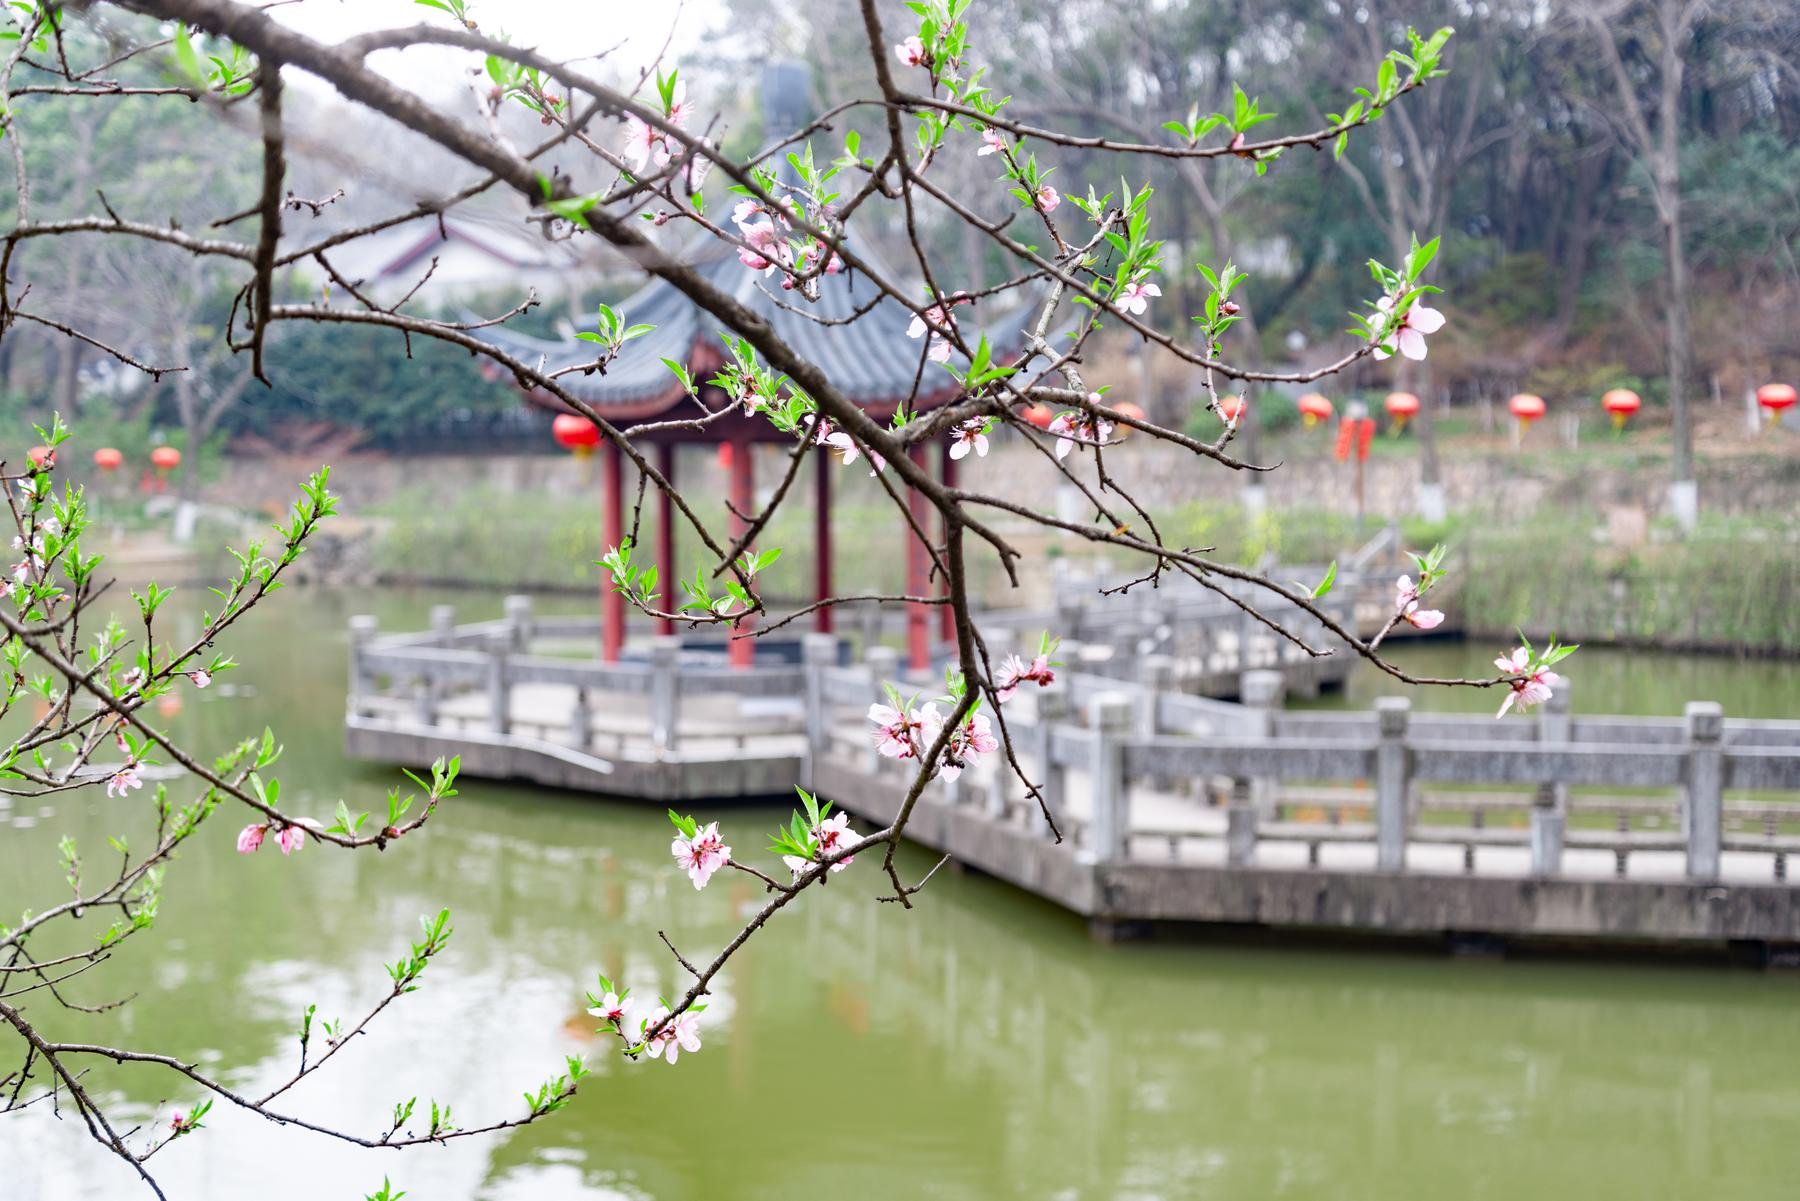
pixel 979 1046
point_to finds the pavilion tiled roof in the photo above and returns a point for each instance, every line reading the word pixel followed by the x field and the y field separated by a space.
pixel 871 360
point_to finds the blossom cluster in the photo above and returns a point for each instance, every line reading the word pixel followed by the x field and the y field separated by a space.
pixel 661 1036
pixel 1079 428
pixel 289 838
pixel 1532 682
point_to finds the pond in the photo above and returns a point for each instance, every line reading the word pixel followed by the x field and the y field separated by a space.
pixel 979 1046
pixel 1600 680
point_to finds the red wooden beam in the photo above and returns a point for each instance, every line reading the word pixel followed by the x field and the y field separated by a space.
pixel 612 526
pixel 743 501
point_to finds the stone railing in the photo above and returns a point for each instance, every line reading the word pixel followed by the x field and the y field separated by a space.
pixel 1137 773
pixel 484 678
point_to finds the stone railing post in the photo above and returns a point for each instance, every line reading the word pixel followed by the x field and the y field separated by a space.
pixel 1246 628
pixel 1550 809
pixel 1240 825
pixel 884 668
pixel 1393 771
pixel 499 686
pixel 999 788
pixel 1702 796
pixel 581 719
pixel 1109 831
pixel 1053 707
pixel 425 698
pixel 1157 674
pixel 518 619
pixel 665 691
pixel 1261 692
pixel 817 652
pixel 443 625
pixel 363 629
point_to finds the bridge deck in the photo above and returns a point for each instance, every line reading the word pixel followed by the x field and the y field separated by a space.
pixel 1173 807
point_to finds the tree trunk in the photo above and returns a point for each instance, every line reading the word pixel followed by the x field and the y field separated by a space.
pixel 1668 183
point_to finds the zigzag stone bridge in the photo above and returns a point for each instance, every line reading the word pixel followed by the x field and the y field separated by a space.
pixel 1173 807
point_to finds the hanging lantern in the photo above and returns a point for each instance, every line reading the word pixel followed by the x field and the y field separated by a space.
pixel 165 458
pixel 575 433
pixel 1401 406
pixel 1621 403
pixel 1526 408
pixel 1126 409
pixel 109 458
pixel 42 457
pixel 1354 435
pixel 1231 408
pixel 1314 409
pixel 1040 415
pixel 1775 398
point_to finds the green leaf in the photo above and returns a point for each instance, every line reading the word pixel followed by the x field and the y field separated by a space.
pixel 187 58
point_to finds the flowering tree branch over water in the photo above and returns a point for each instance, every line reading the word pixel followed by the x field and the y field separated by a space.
pixel 1082 258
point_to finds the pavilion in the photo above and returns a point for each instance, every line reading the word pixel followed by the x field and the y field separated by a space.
pixel 871 360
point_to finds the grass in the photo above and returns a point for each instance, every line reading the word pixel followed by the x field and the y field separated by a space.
pixel 1733 584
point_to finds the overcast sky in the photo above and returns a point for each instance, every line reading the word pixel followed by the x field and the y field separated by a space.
pixel 564 29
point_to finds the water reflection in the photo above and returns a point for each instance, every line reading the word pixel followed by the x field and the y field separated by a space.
pixel 977 1047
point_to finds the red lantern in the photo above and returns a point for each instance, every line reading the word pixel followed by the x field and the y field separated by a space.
pixel 1357 433
pixel 1126 409
pixel 576 433
pixel 1314 409
pixel 1040 415
pixel 1621 403
pixel 42 457
pixel 109 459
pixel 1775 398
pixel 1401 406
pixel 1231 408
pixel 165 458
pixel 1527 408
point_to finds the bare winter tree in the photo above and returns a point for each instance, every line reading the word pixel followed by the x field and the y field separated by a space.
pixel 1082 252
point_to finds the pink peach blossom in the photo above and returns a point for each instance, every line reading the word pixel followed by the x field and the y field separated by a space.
pixel 1072 428
pixel 1136 297
pixel 1409 336
pixel 250 838
pixel 682 1034
pixel 701 855
pixel 290 839
pixel 1014 671
pixel 974 737
pixel 1534 688
pixel 1424 619
pixel 969 435
pixel 610 1009
pixel 896 733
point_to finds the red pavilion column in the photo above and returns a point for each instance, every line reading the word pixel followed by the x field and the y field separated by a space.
pixel 665 535
pixel 918 617
pixel 612 531
pixel 822 617
pixel 947 615
pixel 743 500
